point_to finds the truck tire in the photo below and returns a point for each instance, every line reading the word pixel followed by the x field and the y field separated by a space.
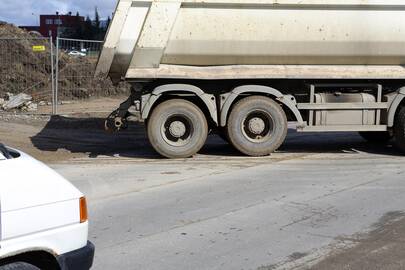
pixel 18 266
pixel 177 129
pixel 377 137
pixel 399 129
pixel 257 126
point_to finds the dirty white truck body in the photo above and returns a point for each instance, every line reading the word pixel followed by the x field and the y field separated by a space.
pixel 332 65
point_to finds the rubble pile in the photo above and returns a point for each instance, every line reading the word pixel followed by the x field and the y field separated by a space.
pixel 21 102
pixel 21 70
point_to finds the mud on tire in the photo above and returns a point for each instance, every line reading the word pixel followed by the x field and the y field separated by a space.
pixel 177 129
pixel 257 126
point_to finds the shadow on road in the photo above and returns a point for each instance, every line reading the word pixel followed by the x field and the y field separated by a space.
pixel 87 135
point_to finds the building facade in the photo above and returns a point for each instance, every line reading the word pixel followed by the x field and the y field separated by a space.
pixel 58 23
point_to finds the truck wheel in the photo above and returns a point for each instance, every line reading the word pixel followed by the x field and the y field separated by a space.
pixel 377 137
pixel 399 129
pixel 18 266
pixel 257 126
pixel 177 129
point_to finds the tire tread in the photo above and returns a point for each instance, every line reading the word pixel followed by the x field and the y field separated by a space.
pixel 399 129
pixel 153 127
pixel 19 266
pixel 234 115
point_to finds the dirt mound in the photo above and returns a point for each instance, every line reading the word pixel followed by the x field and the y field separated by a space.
pixel 25 66
pixel 77 80
pixel 21 69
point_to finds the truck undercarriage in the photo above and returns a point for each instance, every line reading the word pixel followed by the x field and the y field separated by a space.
pixel 366 106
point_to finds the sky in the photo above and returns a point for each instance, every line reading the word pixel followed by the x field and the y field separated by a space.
pixel 26 12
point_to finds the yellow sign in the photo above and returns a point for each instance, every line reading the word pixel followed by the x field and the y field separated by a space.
pixel 39 48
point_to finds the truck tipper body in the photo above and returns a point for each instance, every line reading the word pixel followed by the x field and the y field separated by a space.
pixel 245 68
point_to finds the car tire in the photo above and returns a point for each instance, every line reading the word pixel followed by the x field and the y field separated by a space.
pixel 177 129
pixel 19 266
pixel 377 137
pixel 399 129
pixel 257 126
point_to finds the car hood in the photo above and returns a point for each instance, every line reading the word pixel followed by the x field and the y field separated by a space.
pixel 26 182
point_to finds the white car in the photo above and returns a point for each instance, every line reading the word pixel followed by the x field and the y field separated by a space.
pixel 43 220
pixel 77 54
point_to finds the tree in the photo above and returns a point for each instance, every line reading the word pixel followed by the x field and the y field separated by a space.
pixel 88 31
pixel 96 19
pixel 108 23
pixel 99 31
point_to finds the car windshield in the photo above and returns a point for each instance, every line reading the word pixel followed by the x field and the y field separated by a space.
pixel 4 152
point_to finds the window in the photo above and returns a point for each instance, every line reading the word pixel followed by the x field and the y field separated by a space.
pixel 58 21
pixel 48 21
pixel 6 153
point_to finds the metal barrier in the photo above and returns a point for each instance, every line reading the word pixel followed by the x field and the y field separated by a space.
pixel 75 66
pixel 58 76
pixel 26 66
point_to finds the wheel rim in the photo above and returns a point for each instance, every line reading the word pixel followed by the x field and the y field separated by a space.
pixel 177 130
pixel 258 126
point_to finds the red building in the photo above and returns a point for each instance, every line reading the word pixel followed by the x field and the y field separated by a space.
pixel 58 23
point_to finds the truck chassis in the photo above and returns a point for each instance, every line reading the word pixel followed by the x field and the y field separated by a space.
pixel 253 115
pixel 245 68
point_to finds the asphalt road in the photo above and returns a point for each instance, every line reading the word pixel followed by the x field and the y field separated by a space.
pixel 320 196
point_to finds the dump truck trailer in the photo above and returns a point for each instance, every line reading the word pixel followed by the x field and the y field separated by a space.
pixel 245 68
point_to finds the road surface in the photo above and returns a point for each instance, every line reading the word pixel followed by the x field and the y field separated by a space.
pixel 314 204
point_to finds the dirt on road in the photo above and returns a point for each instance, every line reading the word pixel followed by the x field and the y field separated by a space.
pixel 55 139
pixel 381 249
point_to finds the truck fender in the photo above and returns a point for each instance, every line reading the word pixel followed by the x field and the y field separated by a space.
pixel 394 106
pixel 149 100
pixel 228 99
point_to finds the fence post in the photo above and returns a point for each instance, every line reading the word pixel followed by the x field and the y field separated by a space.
pixel 57 75
pixel 52 76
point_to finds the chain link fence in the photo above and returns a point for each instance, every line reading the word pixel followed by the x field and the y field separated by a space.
pixel 76 62
pixel 41 76
pixel 27 75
